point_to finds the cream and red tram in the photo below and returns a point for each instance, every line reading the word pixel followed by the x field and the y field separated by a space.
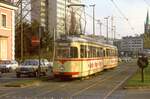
pixel 79 57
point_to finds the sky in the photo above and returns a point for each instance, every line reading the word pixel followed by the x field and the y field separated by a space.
pixel 129 21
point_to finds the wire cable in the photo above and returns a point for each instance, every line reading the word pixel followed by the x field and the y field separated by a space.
pixel 123 15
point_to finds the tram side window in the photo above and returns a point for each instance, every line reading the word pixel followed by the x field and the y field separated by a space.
pixel 94 51
pixel 104 52
pixel 83 51
pixel 107 52
pixel 89 51
pixel 73 52
pixel 100 52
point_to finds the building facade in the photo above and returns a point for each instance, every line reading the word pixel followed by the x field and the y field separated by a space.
pixel 53 14
pixel 131 46
pixel 7 30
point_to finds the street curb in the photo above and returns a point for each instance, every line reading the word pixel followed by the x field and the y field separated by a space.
pixel 22 85
pixel 137 87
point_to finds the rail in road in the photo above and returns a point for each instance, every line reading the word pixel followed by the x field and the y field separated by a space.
pixel 99 87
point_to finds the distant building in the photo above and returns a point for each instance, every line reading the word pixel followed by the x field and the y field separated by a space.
pixel 51 14
pixel 7 30
pixel 131 46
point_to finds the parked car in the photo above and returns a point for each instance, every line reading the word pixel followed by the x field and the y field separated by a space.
pixel 8 65
pixel 30 68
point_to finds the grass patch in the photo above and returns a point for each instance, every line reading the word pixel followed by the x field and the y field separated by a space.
pixel 135 80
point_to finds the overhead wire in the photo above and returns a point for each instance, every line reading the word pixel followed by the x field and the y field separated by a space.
pixel 148 4
pixel 123 15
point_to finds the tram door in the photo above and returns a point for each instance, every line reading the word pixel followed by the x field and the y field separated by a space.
pixel 83 54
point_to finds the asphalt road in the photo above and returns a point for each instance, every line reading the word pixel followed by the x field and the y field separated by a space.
pixel 107 85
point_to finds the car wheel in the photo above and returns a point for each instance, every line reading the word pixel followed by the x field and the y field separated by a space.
pixel 10 69
pixel 35 74
pixel 18 75
pixel 44 73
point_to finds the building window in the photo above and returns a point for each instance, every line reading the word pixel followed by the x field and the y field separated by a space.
pixel 3 20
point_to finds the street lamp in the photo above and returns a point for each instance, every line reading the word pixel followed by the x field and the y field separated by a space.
pixel 100 24
pixel 107 27
pixel 93 5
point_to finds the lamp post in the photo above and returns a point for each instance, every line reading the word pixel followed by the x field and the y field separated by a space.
pixel 93 5
pixel 100 24
pixel 21 33
pixel 107 28
pixel 65 16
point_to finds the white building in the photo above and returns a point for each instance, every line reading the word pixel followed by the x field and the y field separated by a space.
pixel 131 45
pixel 53 13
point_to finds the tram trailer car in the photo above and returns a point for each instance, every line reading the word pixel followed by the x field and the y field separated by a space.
pixel 78 57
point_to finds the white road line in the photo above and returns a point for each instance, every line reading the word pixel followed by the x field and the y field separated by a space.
pixel 116 87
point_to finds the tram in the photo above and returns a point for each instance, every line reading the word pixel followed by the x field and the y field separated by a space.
pixel 80 56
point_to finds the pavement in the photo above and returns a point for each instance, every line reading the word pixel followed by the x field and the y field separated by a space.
pixel 107 85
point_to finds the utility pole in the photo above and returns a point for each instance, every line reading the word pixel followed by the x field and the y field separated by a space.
pixel 39 37
pixel 66 17
pixel 21 32
pixel 107 27
pixel 112 26
pixel 93 18
pixel 114 32
pixel 100 27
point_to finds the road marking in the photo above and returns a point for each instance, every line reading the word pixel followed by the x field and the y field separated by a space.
pixel 116 87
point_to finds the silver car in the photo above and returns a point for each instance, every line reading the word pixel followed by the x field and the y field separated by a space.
pixel 8 65
pixel 30 68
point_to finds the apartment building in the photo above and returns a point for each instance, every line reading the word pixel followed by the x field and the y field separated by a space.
pixel 131 45
pixel 7 30
pixel 53 13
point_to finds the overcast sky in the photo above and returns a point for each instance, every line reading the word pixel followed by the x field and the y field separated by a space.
pixel 134 10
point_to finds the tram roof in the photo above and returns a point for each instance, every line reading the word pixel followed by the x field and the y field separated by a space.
pixel 83 39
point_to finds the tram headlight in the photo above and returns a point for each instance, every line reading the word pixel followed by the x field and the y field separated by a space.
pixel 62 68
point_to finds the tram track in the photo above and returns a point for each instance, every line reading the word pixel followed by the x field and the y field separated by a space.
pixel 58 87
pixel 46 90
pixel 90 81
pixel 98 82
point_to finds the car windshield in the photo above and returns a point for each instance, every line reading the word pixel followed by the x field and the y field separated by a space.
pixel 30 62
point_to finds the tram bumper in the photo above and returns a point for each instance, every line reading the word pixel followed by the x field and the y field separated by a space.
pixel 66 74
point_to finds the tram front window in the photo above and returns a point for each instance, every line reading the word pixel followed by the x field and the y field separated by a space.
pixel 62 53
pixel 71 52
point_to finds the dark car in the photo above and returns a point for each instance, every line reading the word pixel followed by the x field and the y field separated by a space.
pixel 30 68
